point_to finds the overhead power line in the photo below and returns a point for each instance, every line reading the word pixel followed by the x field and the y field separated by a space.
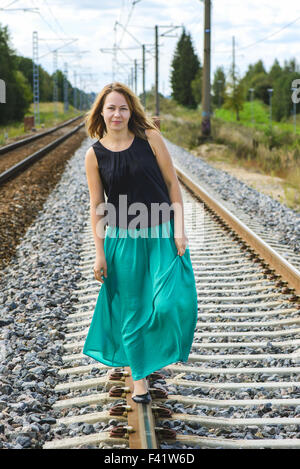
pixel 260 40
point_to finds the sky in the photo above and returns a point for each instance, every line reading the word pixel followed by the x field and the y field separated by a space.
pixel 263 30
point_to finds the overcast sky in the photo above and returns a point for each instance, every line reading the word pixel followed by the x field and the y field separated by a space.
pixel 92 23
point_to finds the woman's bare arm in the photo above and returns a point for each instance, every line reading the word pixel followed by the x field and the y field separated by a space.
pixel 96 197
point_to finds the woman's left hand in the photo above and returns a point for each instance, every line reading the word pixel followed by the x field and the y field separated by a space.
pixel 181 244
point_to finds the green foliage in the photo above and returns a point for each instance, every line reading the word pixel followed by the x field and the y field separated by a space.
pixel 17 73
pixel 25 65
pixel 47 119
pixel 18 96
pixel 260 112
pixel 261 82
pixel 254 70
pixel 184 68
pixel 234 97
pixel 218 87
pixel 280 79
pixel 196 86
pixel 23 95
pixel 282 105
pixel 275 71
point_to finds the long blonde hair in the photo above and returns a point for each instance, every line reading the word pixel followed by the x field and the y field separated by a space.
pixel 138 122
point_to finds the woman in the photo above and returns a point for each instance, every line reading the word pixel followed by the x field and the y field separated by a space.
pixel 146 312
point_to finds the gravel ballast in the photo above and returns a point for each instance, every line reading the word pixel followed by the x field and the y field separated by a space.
pixel 38 292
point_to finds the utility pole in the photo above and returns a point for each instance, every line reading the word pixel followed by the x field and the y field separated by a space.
pixel 144 92
pixel 81 93
pixel 135 76
pixel 75 90
pixel 55 84
pixel 219 93
pixel 252 115
pixel 205 125
pixel 132 76
pixel 233 62
pixel 270 91
pixel 66 90
pixel 156 73
pixel 36 82
pixel 294 111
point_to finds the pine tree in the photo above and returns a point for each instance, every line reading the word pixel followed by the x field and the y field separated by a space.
pixel 185 65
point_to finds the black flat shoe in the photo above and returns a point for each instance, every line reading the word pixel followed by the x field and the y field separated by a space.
pixel 142 398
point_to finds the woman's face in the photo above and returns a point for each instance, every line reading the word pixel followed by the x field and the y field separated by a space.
pixel 115 112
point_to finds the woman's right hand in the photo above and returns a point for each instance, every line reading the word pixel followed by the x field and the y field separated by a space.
pixel 100 268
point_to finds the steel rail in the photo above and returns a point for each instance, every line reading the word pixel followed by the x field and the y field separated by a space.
pixel 29 160
pixel 24 141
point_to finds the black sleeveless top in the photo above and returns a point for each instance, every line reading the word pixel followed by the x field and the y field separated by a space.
pixel 133 172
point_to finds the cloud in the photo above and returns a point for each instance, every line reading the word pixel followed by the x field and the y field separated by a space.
pixel 93 21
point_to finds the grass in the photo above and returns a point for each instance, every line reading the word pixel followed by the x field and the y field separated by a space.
pixel 47 119
pixel 261 117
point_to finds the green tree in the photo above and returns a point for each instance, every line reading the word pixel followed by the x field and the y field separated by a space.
pixel 254 70
pixel 275 71
pixel 234 93
pixel 17 87
pixel 23 95
pixel 184 68
pixel 256 77
pixel 290 66
pixel 196 86
pixel 282 104
pixel 6 74
pixel 25 65
pixel 218 87
pixel 261 82
pixel 46 85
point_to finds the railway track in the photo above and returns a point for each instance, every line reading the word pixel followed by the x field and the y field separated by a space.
pixel 240 387
pixel 24 141
pixel 18 156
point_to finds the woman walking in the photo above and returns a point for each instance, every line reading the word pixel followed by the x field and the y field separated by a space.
pixel 146 312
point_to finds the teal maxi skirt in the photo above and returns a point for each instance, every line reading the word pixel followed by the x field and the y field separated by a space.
pixel 146 312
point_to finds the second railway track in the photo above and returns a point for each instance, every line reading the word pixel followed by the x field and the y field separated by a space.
pixel 240 387
pixel 16 157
